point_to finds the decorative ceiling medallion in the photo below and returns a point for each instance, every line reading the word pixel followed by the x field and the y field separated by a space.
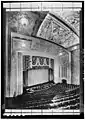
pixel 22 22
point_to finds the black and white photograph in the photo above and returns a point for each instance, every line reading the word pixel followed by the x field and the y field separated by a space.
pixel 43 58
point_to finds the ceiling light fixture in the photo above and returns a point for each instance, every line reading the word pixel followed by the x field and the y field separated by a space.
pixel 75 47
pixel 60 54
pixel 24 21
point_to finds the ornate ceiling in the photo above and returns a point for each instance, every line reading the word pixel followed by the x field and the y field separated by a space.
pixel 73 18
pixel 62 28
pixel 55 30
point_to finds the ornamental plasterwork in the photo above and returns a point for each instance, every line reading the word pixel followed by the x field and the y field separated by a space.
pixel 54 30
pixel 72 17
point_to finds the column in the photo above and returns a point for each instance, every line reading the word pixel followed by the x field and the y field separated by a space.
pixel 13 77
pixel 20 74
pixel 69 69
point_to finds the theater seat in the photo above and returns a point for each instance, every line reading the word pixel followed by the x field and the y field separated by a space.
pixel 49 95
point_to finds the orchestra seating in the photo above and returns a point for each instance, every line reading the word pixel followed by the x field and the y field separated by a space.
pixel 38 87
pixel 49 95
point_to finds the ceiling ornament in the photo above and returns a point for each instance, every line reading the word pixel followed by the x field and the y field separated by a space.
pixel 73 18
pixel 53 30
pixel 22 22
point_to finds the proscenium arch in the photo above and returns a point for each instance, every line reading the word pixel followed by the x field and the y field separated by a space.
pixel 17 76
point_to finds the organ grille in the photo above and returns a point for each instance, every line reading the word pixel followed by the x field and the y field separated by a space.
pixel 37 62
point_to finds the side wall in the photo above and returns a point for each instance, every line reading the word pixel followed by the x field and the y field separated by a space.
pixel 75 65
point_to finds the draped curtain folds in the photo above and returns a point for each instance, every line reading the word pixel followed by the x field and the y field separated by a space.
pixel 37 76
pixel 36 70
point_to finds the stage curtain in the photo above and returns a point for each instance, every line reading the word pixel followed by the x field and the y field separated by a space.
pixel 37 76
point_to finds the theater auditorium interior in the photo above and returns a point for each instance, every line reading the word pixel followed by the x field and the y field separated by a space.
pixel 42 59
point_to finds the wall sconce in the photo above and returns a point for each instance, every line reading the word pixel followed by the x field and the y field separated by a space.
pixel 23 45
pixel 75 47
